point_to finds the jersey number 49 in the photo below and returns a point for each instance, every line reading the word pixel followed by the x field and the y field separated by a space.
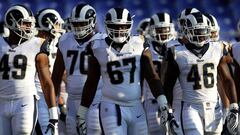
pixel 19 63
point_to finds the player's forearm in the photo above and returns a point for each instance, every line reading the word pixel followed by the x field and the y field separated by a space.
pixel 88 93
pixel 231 90
pixel 57 84
pixel 49 94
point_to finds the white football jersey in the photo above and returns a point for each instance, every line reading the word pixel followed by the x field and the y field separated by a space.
pixel 236 52
pixel 17 68
pixel 120 71
pixel 51 57
pixel 157 61
pixel 198 76
pixel 76 63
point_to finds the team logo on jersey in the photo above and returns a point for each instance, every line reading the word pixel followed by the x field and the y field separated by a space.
pixel 199 60
pixel 12 50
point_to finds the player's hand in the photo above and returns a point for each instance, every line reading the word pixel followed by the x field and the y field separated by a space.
pixel 173 125
pixel 53 121
pixel 63 112
pixel 52 126
pixel 232 119
pixel 81 121
pixel 163 115
pixel 163 106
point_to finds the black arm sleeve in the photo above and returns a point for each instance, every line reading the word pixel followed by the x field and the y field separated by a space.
pixel 45 47
pixel 149 73
pixel 169 74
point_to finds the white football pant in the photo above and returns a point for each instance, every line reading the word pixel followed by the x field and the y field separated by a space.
pixel 123 120
pixel 18 116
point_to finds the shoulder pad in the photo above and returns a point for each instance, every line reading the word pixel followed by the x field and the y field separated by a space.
pixel 137 39
pixel 65 36
pixel 45 47
pixel 146 43
pixel 98 36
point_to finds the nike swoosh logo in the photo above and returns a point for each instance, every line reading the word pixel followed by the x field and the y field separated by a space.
pixel 23 105
pixel 94 104
pixel 139 116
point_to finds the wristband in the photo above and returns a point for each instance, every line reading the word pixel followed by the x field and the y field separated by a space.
pixel 53 113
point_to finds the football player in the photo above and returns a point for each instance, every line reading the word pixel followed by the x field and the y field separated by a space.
pixel 121 59
pixel 49 26
pixel 73 57
pixel 181 23
pixel 161 31
pixel 214 29
pixel 143 28
pixel 19 55
pixel 197 64
pixel 235 53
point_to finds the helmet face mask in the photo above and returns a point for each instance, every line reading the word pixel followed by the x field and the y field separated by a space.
pixel 162 34
pixel 25 28
pixel 198 36
pixel 161 28
pixel 21 21
pixel 197 29
pixel 57 30
pixel 82 21
pixel 118 32
pixel 82 28
pixel 118 24
pixel 182 20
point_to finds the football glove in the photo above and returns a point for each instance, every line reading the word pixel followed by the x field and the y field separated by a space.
pixel 173 125
pixel 53 121
pixel 63 112
pixel 81 123
pixel 232 119
pixel 163 106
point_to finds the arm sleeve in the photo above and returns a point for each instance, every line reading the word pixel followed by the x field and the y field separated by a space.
pixel 169 74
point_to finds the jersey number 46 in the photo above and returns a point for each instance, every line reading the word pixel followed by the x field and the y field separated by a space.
pixel 193 76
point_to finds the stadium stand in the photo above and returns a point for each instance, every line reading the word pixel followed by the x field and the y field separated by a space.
pixel 226 11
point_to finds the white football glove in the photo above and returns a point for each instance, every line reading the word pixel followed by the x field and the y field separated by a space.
pixel 163 105
pixel 173 125
pixel 81 124
pixel 53 121
pixel 232 119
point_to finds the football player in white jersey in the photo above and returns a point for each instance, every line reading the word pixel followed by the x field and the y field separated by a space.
pixel 214 29
pixel 236 58
pixel 196 64
pixel 18 54
pixel 49 26
pixel 161 31
pixel 73 57
pixel 118 58
pixel 181 23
